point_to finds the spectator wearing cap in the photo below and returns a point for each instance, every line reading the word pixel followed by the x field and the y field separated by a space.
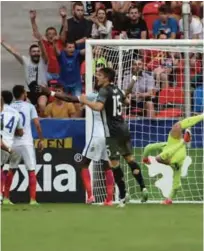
pixel 165 23
pixel 59 108
pixel 101 28
pixel 195 28
pixel 50 34
pixel 143 90
pixel 135 27
pixel 79 28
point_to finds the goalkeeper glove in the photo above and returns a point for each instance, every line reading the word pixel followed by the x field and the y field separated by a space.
pixel 146 160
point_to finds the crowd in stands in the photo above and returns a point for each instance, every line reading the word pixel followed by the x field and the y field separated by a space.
pixel 58 59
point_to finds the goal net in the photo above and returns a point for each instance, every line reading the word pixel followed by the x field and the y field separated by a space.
pixel 169 87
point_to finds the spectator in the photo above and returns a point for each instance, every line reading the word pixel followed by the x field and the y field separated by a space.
pixel 121 7
pixel 50 34
pixel 35 68
pixel 79 28
pixel 69 61
pixel 119 12
pixel 197 84
pixel 164 73
pixel 143 90
pixel 195 28
pixel 135 27
pixel 162 35
pixel 59 108
pixel 102 28
pixel 165 23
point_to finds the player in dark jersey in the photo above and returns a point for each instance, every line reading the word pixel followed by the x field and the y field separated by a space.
pixel 109 102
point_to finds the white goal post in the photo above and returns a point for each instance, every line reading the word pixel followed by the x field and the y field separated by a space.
pixel 152 130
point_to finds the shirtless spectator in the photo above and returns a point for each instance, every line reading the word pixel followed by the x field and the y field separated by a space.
pixel 50 34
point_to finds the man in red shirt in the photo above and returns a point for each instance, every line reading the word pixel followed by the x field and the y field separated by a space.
pixel 50 34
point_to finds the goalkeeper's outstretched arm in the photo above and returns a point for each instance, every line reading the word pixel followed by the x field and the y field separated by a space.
pixel 153 147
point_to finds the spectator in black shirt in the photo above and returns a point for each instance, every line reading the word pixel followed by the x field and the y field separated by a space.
pixel 79 28
pixel 135 27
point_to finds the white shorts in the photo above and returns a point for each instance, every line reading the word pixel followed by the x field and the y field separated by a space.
pixel 96 149
pixel 4 157
pixel 27 153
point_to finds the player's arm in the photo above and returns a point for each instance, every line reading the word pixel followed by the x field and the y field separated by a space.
pixel 13 51
pixel 62 96
pixel 131 85
pixel 150 148
pixel 4 147
pixel 36 121
pixel 19 128
pixel 97 105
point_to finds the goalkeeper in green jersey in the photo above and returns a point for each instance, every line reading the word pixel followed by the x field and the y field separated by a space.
pixel 173 152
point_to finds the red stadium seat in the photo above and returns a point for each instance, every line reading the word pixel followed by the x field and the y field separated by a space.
pixel 150 14
pixel 171 95
pixel 170 113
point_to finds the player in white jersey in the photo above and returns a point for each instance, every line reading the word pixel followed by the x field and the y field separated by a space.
pixel 10 125
pixel 95 150
pixel 24 146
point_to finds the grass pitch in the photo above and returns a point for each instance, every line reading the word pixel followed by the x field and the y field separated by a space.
pixel 76 227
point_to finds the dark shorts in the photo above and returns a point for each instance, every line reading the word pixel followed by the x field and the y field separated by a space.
pixel 117 147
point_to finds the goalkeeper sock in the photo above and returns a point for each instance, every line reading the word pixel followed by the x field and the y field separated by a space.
pixel 119 180
pixel 32 185
pixel 8 182
pixel 109 184
pixel 134 166
pixel 191 121
pixel 86 178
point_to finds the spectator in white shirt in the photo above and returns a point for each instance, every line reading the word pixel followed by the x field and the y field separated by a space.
pixel 35 70
pixel 102 28
pixel 196 27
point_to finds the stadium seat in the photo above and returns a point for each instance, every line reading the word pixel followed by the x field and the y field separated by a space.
pixel 170 97
pixel 170 113
pixel 150 14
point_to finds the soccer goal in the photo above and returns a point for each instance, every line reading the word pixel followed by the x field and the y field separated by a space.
pixel 176 69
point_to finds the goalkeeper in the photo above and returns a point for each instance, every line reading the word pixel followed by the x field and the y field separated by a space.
pixel 173 152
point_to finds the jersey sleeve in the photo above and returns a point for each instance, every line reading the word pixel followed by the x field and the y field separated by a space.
pixel 33 112
pixel 92 96
pixel 153 147
pixel 102 96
